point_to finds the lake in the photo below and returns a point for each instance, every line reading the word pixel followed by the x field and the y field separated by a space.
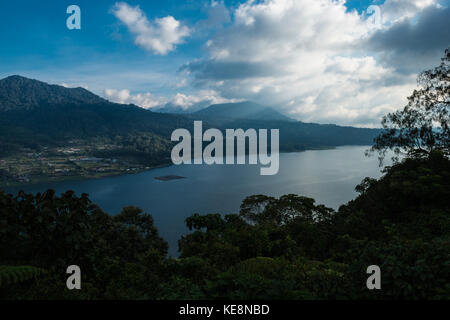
pixel 329 176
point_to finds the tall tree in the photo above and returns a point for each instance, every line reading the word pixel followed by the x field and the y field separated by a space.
pixel 423 125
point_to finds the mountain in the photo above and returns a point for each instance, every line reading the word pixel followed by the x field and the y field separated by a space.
pixel 64 113
pixel 19 93
pixel 34 114
pixel 294 135
pixel 299 136
pixel 38 116
pixel 237 111
pixel 176 109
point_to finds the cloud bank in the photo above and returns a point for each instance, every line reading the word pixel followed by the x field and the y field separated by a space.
pixel 313 59
pixel 320 62
pixel 179 102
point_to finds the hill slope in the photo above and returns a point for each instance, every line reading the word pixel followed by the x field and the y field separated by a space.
pixel 64 113
pixel 17 93
pixel 51 122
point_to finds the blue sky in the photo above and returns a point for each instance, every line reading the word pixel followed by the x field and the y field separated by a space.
pixel 218 56
pixel 37 42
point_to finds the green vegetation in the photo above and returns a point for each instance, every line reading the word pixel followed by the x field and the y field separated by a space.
pixel 10 275
pixel 81 159
pixel 286 248
pixel 423 125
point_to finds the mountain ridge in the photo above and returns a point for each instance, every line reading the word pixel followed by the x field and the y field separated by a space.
pixel 240 110
pixel 34 92
pixel 32 110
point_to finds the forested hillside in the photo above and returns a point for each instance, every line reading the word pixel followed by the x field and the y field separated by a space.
pixel 35 114
pixel 286 248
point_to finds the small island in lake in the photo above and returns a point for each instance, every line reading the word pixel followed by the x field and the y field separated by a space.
pixel 169 178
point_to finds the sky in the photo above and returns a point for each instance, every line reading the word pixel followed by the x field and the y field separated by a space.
pixel 326 61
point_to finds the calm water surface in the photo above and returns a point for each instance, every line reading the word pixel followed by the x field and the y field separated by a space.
pixel 329 176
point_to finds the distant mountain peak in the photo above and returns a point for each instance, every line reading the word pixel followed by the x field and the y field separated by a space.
pixel 241 110
pixel 15 77
pixel 17 92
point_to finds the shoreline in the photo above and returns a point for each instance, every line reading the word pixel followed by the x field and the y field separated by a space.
pixel 163 165
pixel 79 178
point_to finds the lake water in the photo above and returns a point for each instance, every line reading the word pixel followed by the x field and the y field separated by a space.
pixel 329 176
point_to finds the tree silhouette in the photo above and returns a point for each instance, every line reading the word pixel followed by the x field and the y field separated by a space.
pixel 423 125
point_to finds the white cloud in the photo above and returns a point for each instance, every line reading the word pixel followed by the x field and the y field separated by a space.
pixel 203 98
pixel 159 36
pixel 144 100
pixel 310 58
pixel 179 101
pixel 66 85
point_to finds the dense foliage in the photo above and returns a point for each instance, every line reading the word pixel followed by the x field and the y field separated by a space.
pixel 422 126
pixel 51 233
pixel 286 248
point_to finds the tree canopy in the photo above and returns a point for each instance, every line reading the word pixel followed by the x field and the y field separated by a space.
pixel 422 126
pixel 274 248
